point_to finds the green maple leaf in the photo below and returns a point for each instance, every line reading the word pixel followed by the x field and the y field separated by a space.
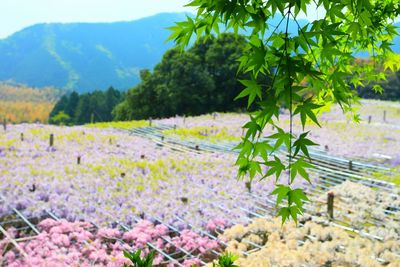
pixel 246 147
pixel 294 211
pixel 252 90
pixel 300 167
pixel 297 196
pixel 268 109
pixel 254 167
pixel 262 149
pixel 282 192
pixel 275 166
pixel 281 138
pixel 284 213
pixel 301 144
pixel 244 166
pixel 253 128
pixel 182 32
pixel 305 110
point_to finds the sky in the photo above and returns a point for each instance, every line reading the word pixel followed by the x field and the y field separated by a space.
pixel 18 14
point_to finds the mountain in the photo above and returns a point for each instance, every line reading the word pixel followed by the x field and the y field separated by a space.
pixel 85 56
pixel 88 56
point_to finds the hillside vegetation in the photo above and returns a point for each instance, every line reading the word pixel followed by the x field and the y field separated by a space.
pixel 77 108
pixel 85 56
pixel 24 104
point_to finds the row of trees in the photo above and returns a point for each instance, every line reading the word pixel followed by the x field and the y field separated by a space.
pixel 89 107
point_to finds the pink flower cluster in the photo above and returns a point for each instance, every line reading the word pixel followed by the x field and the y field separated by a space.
pixel 191 241
pixel 212 225
pixel 62 243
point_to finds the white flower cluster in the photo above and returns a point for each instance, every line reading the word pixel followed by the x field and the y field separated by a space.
pixel 309 245
pixel 374 212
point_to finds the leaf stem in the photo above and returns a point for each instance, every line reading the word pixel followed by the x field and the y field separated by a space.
pixel 290 93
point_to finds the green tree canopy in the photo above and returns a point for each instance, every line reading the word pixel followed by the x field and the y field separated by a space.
pixel 80 109
pixel 200 80
pixel 310 69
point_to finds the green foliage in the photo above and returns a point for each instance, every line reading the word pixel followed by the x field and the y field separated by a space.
pixel 309 69
pixel 61 118
pixel 81 108
pixel 294 198
pixel 226 260
pixel 383 90
pixel 393 176
pixel 119 124
pixel 212 134
pixel 137 261
pixel 198 81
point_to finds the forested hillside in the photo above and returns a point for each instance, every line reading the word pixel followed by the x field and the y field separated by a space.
pixel 25 104
pixel 85 56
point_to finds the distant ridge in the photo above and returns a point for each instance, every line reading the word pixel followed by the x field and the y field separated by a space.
pixel 85 56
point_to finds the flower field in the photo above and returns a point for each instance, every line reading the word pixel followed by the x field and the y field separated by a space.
pixel 100 189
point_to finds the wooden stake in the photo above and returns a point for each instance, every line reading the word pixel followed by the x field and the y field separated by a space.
pixel 5 124
pixel 150 121
pixel 22 136
pixel 248 186
pixel 369 119
pixel 331 197
pixel 350 165
pixel 51 141
pixel 78 160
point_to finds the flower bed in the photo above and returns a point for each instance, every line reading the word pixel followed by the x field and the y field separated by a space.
pixel 119 177
pixel 309 245
pixel 63 243
pixel 365 209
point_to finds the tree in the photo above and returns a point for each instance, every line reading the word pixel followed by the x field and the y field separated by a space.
pixel 61 118
pixel 60 106
pixel 201 80
pixel 310 70
pixel 73 101
pixel 83 110
pixel 112 98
